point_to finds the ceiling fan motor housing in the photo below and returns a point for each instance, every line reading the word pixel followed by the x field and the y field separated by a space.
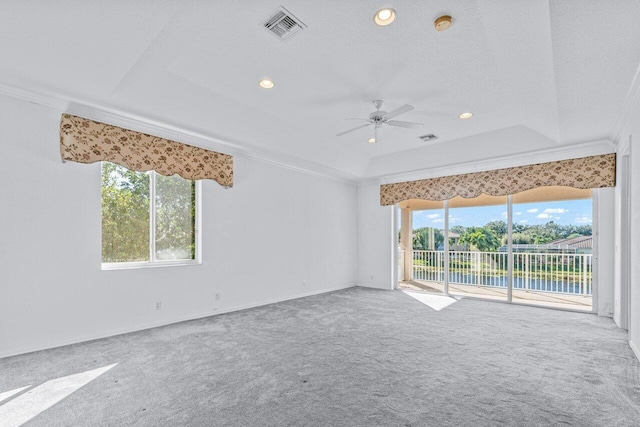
pixel 377 116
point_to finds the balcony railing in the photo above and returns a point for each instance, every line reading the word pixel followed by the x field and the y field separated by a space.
pixel 544 272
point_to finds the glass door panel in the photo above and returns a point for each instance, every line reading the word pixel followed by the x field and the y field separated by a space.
pixel 478 257
pixel 553 247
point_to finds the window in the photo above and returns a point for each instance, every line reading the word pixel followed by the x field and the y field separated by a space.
pixel 147 218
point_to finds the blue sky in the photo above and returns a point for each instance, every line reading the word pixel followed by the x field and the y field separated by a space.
pixel 576 212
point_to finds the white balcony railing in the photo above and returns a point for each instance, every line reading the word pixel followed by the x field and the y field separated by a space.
pixel 558 273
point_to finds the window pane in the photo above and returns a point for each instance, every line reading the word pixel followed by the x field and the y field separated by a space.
pixel 552 247
pixel 478 261
pixel 427 236
pixel 175 218
pixel 125 214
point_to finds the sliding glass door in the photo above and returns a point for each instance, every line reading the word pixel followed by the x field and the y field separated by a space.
pixel 534 247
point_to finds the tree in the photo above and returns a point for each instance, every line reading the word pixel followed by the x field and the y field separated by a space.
pixel 480 238
pixel 458 229
pixel 521 239
pixel 126 220
pixel 500 228
pixel 125 214
pixel 421 239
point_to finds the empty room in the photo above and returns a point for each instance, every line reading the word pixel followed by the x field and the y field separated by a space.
pixel 356 213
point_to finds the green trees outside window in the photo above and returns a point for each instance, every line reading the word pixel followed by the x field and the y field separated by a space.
pixel 146 217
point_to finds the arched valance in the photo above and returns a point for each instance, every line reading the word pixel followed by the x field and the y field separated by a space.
pixel 586 172
pixel 86 141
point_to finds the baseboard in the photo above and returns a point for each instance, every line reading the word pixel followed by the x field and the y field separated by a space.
pixel 375 286
pixel 634 349
pixel 150 325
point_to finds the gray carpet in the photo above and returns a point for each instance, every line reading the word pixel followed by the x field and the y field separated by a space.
pixel 357 357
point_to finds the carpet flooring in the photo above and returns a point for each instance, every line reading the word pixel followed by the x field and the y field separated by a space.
pixel 358 357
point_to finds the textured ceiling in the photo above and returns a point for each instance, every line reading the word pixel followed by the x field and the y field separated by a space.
pixel 536 74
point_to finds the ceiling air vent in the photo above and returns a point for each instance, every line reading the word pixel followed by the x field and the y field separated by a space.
pixel 428 138
pixel 283 24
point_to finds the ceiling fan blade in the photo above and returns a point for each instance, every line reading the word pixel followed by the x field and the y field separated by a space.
pixel 410 125
pixel 356 128
pixel 401 110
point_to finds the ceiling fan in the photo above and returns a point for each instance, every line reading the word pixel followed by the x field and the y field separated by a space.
pixel 379 118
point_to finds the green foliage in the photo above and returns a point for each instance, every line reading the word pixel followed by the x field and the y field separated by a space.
pixel 500 228
pixel 519 239
pixel 531 234
pixel 458 229
pixel 421 239
pixel 480 238
pixel 125 214
pixel 126 218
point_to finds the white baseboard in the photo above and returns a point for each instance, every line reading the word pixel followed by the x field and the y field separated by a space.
pixel 120 331
pixel 375 286
pixel 635 349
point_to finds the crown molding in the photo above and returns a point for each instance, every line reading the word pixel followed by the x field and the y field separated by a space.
pixel 585 149
pixel 104 113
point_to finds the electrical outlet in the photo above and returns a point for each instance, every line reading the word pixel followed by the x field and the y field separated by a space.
pixel 158 305
pixel 217 297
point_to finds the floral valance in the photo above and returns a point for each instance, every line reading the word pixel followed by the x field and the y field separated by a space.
pixel 586 172
pixel 86 141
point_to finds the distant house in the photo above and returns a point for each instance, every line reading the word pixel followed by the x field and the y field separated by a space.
pixel 574 245
pixel 578 245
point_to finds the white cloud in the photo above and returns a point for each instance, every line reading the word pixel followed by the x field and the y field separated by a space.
pixel 517 213
pixel 555 210
pixel 557 217
pixel 543 215
pixel 523 221
pixel 437 220
pixel 534 210
pixel 583 220
pixel 454 219
pixel 433 216
pixel 504 214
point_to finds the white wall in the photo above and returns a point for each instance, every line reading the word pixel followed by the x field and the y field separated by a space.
pixel 278 234
pixel 604 217
pixel 627 142
pixel 375 239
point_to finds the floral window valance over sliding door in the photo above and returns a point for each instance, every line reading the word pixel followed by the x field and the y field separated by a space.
pixel 86 141
pixel 586 172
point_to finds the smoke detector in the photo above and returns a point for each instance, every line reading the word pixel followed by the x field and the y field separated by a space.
pixel 442 23
pixel 283 24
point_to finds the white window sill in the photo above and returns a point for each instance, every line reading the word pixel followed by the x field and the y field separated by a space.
pixel 146 264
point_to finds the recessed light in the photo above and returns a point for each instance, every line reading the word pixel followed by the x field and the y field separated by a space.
pixel 266 83
pixel 442 23
pixel 384 16
pixel 465 115
pixel 371 140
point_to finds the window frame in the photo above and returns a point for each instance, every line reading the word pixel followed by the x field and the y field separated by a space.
pixel 153 262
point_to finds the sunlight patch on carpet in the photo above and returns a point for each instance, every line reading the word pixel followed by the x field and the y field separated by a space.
pixel 437 302
pixel 7 394
pixel 23 408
